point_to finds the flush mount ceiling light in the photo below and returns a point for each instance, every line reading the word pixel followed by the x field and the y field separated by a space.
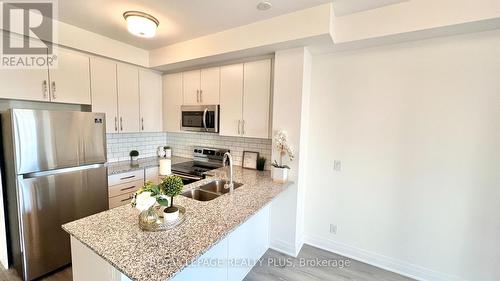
pixel 264 6
pixel 141 24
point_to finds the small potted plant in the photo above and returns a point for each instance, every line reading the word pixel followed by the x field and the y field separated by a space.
pixel 171 186
pixel 261 163
pixel 168 151
pixel 280 170
pixel 146 198
pixel 134 155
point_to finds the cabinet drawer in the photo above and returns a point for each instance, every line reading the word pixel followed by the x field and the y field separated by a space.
pixel 123 188
pixel 120 200
pixel 125 177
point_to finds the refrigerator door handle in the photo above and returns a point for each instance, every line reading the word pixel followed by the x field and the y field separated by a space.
pixel 61 171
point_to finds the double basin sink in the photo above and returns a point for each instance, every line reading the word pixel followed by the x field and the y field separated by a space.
pixel 209 191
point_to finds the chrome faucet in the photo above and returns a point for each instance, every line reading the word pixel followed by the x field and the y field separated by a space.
pixel 229 185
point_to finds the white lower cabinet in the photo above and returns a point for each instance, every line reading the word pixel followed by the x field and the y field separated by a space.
pixel 229 260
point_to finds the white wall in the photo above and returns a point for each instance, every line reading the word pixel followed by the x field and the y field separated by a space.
pixel 292 73
pixel 417 128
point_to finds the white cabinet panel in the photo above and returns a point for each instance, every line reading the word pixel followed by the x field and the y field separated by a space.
pixel 210 85
pixel 201 272
pixel 24 84
pixel 231 99
pixel 172 102
pixel 191 87
pixel 151 101
pixel 128 98
pixel 256 99
pixel 104 93
pixel 70 80
pixel 248 242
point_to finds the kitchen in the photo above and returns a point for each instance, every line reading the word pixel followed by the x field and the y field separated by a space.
pixel 147 139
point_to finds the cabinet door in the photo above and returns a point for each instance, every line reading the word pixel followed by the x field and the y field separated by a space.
pixel 24 84
pixel 256 99
pixel 172 102
pixel 150 93
pixel 210 85
pixel 128 98
pixel 231 100
pixel 70 81
pixel 104 93
pixel 191 87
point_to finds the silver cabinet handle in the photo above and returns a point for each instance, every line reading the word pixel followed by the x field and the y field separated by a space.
pixel 53 90
pixel 121 124
pixel 127 188
pixel 201 96
pixel 197 95
pixel 205 119
pixel 44 89
pixel 239 124
pixel 126 178
pixel 243 127
pixel 116 124
pixel 142 124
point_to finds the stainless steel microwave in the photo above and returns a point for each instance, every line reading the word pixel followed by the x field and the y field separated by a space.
pixel 200 118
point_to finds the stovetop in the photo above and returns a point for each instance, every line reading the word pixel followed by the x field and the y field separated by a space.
pixel 191 168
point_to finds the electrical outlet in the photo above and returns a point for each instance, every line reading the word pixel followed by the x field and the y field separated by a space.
pixel 337 165
pixel 333 228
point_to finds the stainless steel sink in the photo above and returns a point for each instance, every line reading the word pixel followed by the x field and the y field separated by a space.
pixel 217 186
pixel 200 195
pixel 209 191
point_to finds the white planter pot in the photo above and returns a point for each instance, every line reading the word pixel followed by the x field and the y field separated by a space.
pixel 279 174
pixel 168 153
pixel 171 216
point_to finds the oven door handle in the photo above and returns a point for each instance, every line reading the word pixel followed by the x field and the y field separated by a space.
pixel 205 119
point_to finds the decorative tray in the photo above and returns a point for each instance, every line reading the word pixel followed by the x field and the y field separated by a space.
pixel 161 224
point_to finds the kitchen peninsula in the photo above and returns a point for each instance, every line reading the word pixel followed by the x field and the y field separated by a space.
pixel 234 226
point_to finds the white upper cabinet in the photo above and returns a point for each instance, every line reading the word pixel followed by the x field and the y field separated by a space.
pixel 201 86
pixel 24 84
pixel 128 98
pixel 191 87
pixel 104 92
pixel 245 96
pixel 256 99
pixel 210 85
pixel 172 102
pixel 150 92
pixel 70 80
pixel 231 100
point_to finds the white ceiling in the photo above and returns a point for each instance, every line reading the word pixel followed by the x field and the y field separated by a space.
pixel 182 20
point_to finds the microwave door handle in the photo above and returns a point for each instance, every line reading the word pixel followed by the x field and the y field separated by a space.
pixel 205 119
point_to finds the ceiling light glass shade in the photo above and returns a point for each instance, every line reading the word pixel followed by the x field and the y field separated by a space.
pixel 141 24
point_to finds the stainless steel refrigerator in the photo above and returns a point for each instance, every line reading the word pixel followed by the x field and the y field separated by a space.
pixel 55 173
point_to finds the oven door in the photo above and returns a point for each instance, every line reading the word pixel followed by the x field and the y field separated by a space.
pixel 203 118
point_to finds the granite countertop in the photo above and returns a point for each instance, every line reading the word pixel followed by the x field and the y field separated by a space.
pixel 126 166
pixel 115 236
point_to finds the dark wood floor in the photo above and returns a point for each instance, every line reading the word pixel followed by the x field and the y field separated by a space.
pixel 275 266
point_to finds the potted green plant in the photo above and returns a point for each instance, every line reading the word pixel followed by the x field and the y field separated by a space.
pixel 261 163
pixel 134 155
pixel 280 170
pixel 171 186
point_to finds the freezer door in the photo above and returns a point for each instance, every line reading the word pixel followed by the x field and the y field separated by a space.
pixel 46 140
pixel 48 201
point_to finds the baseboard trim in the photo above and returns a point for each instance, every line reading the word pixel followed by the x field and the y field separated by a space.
pixel 283 247
pixel 381 261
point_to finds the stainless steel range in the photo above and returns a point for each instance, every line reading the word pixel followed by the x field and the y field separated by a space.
pixel 204 160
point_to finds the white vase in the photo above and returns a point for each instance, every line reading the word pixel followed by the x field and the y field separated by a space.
pixel 279 174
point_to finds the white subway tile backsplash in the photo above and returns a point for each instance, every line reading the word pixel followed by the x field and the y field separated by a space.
pixel 119 145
